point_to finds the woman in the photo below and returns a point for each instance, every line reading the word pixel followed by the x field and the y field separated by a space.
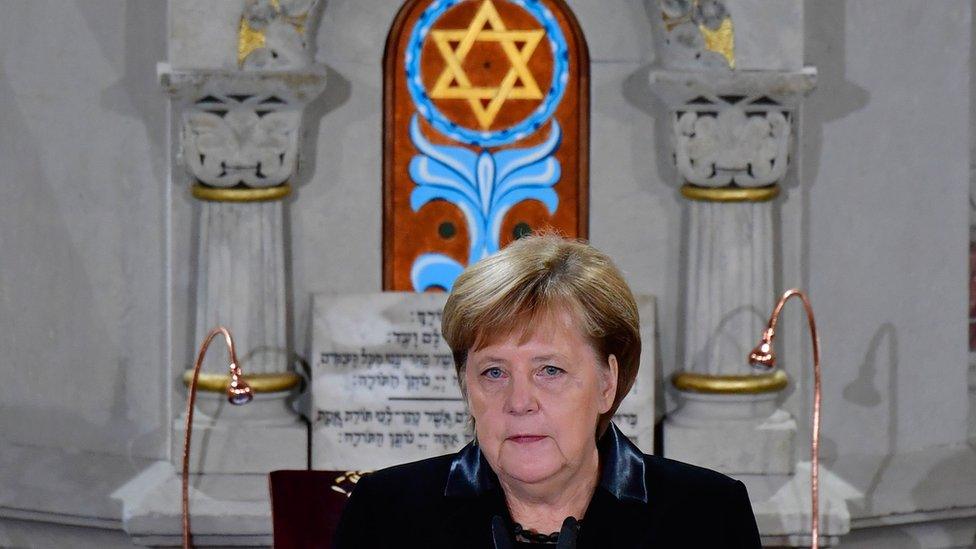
pixel 546 344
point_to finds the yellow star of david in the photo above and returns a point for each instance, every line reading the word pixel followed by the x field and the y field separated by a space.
pixel 487 16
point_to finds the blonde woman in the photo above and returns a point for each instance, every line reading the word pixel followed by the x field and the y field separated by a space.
pixel 546 342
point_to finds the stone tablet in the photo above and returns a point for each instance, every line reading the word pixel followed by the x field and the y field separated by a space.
pixel 384 389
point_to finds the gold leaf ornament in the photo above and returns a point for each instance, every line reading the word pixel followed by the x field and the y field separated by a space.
pixel 721 40
pixel 712 19
pixel 256 17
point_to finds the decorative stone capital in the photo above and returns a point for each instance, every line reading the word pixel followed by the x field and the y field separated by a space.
pixel 714 150
pixel 240 140
pixel 241 104
pixel 241 128
pixel 732 128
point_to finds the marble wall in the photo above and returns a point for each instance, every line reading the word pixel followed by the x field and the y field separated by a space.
pixel 884 219
pixel 83 227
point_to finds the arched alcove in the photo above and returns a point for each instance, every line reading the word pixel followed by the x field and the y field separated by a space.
pixel 485 136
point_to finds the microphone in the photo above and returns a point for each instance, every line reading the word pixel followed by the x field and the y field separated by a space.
pixel 568 534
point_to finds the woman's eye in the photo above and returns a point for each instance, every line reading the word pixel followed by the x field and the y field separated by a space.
pixel 492 373
pixel 551 371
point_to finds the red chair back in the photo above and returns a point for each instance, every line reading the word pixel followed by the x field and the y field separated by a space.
pixel 306 506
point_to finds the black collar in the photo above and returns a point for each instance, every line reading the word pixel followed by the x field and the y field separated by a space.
pixel 621 469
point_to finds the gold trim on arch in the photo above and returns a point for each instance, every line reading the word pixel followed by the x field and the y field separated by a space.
pixel 239 194
pixel 731 385
pixel 260 383
pixel 730 194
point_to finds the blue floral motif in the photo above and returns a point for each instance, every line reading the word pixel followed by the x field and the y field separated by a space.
pixel 484 186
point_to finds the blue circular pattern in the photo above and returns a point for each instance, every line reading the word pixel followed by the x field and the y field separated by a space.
pixel 426 108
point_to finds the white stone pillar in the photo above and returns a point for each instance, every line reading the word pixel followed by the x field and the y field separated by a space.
pixel 239 140
pixel 240 75
pixel 240 115
pixel 732 79
pixel 730 284
pixel 732 139
pixel 241 283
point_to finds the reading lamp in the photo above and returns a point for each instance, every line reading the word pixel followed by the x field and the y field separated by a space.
pixel 764 357
pixel 238 392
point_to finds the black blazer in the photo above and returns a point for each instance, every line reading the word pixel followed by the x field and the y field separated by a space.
pixel 641 501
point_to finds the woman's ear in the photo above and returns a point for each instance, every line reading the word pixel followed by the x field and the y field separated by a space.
pixel 609 392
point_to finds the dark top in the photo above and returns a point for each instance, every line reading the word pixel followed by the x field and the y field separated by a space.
pixel 641 501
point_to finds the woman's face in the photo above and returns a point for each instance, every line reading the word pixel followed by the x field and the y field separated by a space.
pixel 536 396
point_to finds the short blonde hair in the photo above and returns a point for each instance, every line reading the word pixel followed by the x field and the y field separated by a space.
pixel 535 275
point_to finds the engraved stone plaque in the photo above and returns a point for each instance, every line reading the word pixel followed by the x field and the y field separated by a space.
pixel 384 389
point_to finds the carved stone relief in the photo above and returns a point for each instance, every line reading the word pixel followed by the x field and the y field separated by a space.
pixel 732 139
pixel 272 34
pixel 241 139
pixel 699 32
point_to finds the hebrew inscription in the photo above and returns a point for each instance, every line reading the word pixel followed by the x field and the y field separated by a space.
pixel 384 390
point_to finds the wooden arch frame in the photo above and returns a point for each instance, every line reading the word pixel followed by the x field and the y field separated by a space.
pixel 573 114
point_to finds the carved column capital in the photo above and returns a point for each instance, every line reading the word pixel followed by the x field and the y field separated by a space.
pixel 241 113
pixel 241 128
pixel 732 129
pixel 716 148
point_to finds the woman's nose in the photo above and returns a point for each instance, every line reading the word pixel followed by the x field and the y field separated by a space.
pixel 521 398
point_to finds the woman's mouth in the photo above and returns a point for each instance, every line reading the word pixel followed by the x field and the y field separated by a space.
pixel 526 439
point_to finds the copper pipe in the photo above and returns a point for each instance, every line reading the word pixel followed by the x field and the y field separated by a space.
pixel 763 355
pixel 238 392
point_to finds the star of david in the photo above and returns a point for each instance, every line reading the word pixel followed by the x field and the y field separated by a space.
pixel 518 82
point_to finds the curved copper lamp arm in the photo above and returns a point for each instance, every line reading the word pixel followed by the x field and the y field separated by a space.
pixel 764 356
pixel 238 392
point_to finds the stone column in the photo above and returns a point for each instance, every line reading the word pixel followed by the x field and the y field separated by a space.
pixel 732 80
pixel 732 141
pixel 240 116
pixel 731 77
pixel 240 75
pixel 239 140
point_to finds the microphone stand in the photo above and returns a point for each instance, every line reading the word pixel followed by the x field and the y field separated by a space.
pixel 763 356
pixel 238 392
